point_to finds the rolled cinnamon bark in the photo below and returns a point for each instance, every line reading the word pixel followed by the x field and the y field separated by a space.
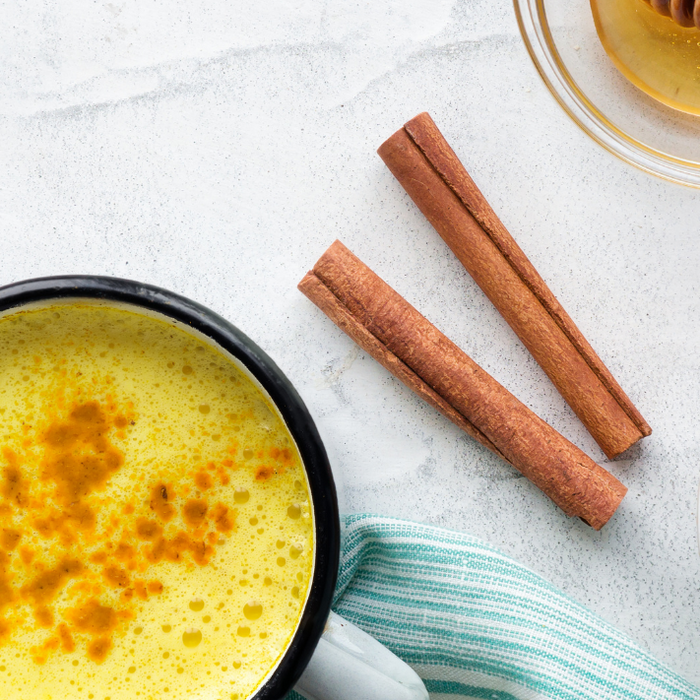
pixel 386 326
pixel 427 168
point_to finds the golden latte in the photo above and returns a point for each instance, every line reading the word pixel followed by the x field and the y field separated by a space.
pixel 156 532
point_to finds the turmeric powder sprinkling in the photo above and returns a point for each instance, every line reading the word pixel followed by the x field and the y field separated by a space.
pixel 133 460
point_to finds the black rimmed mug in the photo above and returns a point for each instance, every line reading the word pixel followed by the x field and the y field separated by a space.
pixel 328 658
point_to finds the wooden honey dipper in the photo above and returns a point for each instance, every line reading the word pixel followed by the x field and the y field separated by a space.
pixel 686 13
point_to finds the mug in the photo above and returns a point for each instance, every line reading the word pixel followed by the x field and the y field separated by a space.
pixel 328 658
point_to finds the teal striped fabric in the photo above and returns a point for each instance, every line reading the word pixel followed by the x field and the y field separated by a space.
pixel 476 624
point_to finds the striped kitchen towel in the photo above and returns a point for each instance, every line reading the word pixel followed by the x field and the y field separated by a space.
pixel 476 624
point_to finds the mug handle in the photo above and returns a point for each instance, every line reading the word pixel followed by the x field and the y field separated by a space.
pixel 348 664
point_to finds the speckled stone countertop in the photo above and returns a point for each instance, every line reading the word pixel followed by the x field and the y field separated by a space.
pixel 217 148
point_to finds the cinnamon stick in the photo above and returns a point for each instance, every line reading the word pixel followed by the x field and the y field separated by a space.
pixel 428 169
pixel 386 326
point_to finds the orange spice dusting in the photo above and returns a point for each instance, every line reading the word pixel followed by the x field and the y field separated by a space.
pixel 26 554
pixel 40 654
pixel 12 485
pixel 124 552
pixel 44 617
pixel 147 529
pixel 94 557
pixel 194 512
pixel 160 494
pixel 98 557
pixel 67 643
pixel 224 519
pixel 121 422
pixel 94 618
pixel 116 577
pixel 264 473
pixel 79 459
pixel 203 481
pixel 45 586
pixel 155 587
pixel 98 649
pixel 9 538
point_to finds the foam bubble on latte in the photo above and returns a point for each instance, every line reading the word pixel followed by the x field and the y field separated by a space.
pixel 156 533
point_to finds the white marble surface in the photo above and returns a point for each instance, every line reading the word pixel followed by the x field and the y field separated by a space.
pixel 218 147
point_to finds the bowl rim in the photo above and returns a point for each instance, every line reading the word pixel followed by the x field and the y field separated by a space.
pixel 289 404
pixel 534 29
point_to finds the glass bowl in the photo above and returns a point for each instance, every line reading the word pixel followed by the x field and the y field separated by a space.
pixel 561 38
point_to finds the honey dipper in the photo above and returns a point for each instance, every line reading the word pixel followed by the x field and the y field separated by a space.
pixel 686 13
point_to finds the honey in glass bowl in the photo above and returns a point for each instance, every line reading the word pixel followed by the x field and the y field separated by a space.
pixel 652 51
